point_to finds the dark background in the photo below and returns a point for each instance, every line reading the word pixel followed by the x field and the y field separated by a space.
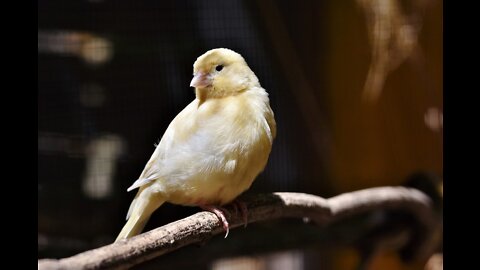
pixel 113 74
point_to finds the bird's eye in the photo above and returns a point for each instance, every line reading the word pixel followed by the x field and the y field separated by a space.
pixel 219 68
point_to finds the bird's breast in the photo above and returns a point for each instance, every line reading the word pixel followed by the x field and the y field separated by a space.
pixel 229 149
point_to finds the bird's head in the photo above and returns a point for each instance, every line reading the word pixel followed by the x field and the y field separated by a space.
pixel 220 73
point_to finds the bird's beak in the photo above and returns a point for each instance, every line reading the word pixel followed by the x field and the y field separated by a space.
pixel 201 80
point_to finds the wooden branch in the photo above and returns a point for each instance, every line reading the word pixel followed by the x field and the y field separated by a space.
pixel 204 225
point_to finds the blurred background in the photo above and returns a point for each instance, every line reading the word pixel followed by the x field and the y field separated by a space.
pixel 356 87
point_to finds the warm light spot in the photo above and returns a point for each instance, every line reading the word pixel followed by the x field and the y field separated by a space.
pixel 92 48
pixel 434 119
pixel 96 50
pixel 239 263
pixel 289 260
pixel 102 154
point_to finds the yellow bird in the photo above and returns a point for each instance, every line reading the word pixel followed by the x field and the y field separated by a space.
pixel 213 149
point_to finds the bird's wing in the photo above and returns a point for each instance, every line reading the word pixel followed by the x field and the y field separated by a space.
pixel 152 169
pixel 184 142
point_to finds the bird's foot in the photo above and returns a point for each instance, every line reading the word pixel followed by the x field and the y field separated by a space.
pixel 243 208
pixel 220 213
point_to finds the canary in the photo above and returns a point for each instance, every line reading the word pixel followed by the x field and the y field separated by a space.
pixel 213 150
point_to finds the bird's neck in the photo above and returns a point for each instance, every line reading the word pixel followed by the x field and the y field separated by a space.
pixel 203 94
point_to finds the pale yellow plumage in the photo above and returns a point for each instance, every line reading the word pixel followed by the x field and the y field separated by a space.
pixel 212 150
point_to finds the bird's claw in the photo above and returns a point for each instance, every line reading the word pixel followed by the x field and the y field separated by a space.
pixel 219 212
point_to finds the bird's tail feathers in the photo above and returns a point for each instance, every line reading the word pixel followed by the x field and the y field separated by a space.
pixel 139 213
pixel 139 182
